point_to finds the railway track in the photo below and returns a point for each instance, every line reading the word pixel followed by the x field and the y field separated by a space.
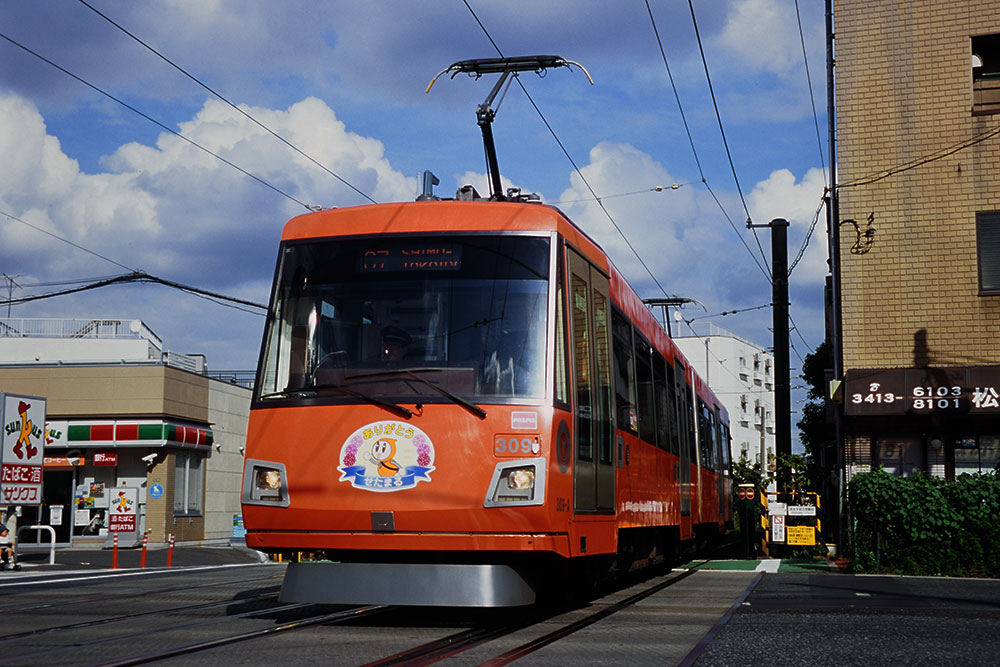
pixel 252 622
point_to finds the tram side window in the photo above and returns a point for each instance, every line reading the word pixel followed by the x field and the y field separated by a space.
pixel 561 372
pixel 672 416
pixel 602 343
pixel 581 348
pixel 644 381
pixel 662 403
pixel 625 402
pixel 706 435
pixel 691 418
pixel 727 459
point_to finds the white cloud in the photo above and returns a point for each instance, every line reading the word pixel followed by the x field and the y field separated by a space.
pixel 172 209
pixel 780 196
pixel 763 34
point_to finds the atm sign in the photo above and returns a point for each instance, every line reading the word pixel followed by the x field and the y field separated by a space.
pixel 105 458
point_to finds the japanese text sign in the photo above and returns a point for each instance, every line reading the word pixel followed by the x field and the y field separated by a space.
pixel 123 509
pixel 22 452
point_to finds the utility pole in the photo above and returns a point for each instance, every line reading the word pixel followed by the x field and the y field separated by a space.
pixel 779 310
pixel 11 284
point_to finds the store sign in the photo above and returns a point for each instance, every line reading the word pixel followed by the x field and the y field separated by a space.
pixel 123 510
pixel 916 391
pixel 22 451
pixel 105 458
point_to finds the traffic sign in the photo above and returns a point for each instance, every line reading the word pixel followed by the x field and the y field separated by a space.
pixel 746 493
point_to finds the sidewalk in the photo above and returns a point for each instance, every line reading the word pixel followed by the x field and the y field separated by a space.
pixel 90 558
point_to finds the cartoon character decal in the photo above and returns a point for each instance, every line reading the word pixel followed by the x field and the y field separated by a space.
pixel 122 503
pixel 386 456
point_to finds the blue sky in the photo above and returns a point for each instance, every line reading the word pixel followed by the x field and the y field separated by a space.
pixel 344 81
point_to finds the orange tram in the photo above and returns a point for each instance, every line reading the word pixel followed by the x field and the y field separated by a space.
pixel 463 403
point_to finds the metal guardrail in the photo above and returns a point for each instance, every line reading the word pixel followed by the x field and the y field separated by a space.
pixel 52 534
pixel 23 327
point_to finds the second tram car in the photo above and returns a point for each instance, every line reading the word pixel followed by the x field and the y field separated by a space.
pixel 459 402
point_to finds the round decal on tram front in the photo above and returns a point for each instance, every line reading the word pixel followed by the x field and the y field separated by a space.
pixel 386 456
pixel 563 446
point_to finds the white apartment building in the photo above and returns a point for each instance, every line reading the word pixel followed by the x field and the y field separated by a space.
pixel 741 374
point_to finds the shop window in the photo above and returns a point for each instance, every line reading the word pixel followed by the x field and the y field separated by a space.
pixel 988 249
pixel 985 75
pixel 899 456
pixel 188 484
pixel 977 455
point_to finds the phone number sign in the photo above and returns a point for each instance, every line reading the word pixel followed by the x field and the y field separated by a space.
pixel 922 391
pixel 22 451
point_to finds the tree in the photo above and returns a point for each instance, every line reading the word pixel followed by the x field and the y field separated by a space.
pixel 815 433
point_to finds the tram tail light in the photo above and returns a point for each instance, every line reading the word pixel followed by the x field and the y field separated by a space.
pixel 264 483
pixel 517 483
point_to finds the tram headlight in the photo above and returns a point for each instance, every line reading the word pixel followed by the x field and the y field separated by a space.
pixel 521 479
pixel 517 483
pixel 265 483
pixel 268 480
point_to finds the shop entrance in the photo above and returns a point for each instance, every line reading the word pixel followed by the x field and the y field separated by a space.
pixel 56 510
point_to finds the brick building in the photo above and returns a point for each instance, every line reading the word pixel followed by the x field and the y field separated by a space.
pixel 918 134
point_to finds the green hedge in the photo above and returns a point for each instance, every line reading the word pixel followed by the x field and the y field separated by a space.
pixel 926 526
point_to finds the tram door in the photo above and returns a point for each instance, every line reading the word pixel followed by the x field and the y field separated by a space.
pixel 594 468
pixel 683 395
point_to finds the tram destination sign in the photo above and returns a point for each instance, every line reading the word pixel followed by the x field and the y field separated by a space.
pixel 916 391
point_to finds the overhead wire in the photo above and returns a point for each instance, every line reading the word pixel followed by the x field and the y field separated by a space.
pixel 75 245
pixel 576 168
pixel 925 159
pixel 819 142
pixel 246 114
pixel 722 132
pixel 139 276
pixel 135 275
pixel 657 188
pixel 694 150
pixel 812 97
pixel 155 122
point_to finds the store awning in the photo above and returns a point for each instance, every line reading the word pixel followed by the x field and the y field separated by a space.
pixel 127 433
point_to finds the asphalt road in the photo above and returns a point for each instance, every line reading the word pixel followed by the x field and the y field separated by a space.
pixel 836 619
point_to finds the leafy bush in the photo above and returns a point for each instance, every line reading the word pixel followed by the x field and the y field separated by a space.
pixel 925 525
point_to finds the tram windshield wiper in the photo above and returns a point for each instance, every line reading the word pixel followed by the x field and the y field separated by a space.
pixel 412 372
pixel 311 390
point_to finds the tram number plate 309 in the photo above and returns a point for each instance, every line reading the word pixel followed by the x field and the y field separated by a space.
pixel 516 445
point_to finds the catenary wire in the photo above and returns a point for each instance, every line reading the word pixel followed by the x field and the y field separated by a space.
pixel 722 131
pixel 136 277
pixel 154 121
pixel 805 241
pixel 583 178
pixel 812 97
pixel 75 245
pixel 694 150
pixel 231 104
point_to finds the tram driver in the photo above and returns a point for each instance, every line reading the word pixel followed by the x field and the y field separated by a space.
pixel 395 343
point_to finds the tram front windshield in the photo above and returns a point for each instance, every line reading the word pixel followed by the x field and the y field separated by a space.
pixel 401 318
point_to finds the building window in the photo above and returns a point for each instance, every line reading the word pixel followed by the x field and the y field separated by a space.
pixel 974 455
pixel 985 75
pixel 900 456
pixel 988 249
pixel 188 484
